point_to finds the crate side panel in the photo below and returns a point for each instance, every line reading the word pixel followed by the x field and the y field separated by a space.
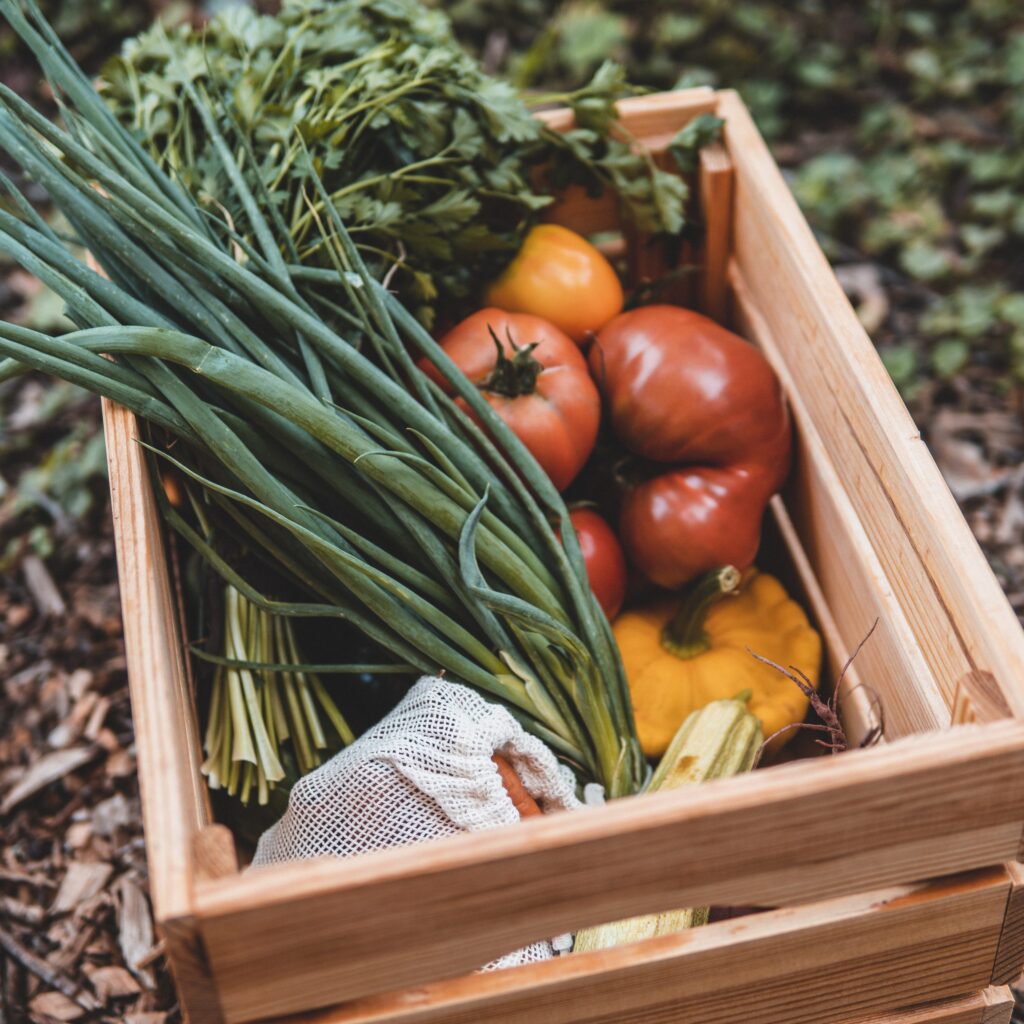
pixel 953 602
pixel 174 799
pixel 856 711
pixel 1010 958
pixel 845 564
pixel 328 930
pixel 990 1006
pixel 838 961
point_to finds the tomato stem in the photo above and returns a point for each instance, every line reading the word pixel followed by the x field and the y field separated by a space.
pixel 684 634
pixel 516 376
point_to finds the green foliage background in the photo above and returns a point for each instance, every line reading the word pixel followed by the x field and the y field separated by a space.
pixel 901 126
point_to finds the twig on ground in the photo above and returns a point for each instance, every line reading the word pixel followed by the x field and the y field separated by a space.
pixel 42 970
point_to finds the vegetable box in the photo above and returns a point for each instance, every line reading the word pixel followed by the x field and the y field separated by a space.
pixel 891 869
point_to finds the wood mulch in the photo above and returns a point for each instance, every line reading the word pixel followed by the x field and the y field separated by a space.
pixel 76 931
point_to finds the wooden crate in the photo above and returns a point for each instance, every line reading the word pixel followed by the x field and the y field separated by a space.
pixel 892 868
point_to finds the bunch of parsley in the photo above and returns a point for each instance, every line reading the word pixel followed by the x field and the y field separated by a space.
pixel 436 168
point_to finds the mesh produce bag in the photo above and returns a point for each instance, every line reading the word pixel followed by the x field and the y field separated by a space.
pixel 422 772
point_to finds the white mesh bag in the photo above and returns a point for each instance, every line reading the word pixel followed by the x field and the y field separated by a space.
pixel 422 772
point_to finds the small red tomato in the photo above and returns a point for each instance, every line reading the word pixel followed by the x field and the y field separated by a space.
pixel 602 555
pixel 690 520
pixel 537 381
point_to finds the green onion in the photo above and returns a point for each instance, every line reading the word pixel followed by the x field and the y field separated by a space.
pixel 331 459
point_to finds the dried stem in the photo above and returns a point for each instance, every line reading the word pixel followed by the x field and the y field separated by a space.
pixel 827 711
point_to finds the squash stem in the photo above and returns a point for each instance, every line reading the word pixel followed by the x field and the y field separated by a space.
pixel 684 634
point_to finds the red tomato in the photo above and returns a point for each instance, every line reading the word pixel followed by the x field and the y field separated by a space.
pixel 538 384
pixel 560 276
pixel 684 391
pixel 686 522
pixel 602 555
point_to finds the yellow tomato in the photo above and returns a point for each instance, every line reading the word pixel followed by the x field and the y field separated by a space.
pixel 560 276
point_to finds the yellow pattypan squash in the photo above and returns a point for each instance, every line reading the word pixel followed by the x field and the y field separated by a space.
pixel 682 654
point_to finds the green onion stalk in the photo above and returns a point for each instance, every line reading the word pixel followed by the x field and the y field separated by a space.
pixel 323 452
pixel 262 699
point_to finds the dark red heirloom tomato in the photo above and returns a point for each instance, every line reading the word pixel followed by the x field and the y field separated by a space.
pixel 602 555
pixel 536 379
pixel 684 391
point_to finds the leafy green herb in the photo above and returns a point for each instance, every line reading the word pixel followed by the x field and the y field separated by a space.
pixel 436 168
pixel 692 137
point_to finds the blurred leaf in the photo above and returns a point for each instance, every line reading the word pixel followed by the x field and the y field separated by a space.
pixel 950 357
pixel 979 239
pixel 589 35
pixel 924 261
pixel 1011 309
pixel 901 362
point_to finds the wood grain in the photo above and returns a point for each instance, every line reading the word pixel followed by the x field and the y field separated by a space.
pixel 716 191
pixel 847 569
pixel 836 961
pixel 989 1006
pixel 856 711
pixel 978 698
pixel 174 798
pixel 648 119
pixel 1010 956
pixel 214 853
pixel 999 1005
pixel 198 993
pixel 915 808
pixel 953 603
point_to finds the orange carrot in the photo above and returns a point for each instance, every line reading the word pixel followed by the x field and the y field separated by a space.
pixel 524 803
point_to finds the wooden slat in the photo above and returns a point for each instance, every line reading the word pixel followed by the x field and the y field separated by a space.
pixel 716 190
pixel 587 215
pixel 328 930
pixel 991 1006
pixel 999 1005
pixel 1010 957
pixel 855 706
pixel 214 853
pixel 174 798
pixel 846 566
pixel 953 602
pixel 842 960
pixel 648 118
